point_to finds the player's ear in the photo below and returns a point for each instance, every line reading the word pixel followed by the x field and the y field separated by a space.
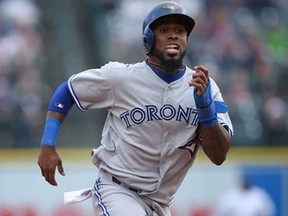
pixel 144 40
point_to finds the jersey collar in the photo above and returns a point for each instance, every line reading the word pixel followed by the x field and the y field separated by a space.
pixel 167 78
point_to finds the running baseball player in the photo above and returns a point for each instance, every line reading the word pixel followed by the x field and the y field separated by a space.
pixel 160 112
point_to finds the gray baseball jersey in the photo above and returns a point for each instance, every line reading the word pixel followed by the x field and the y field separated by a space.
pixel 150 137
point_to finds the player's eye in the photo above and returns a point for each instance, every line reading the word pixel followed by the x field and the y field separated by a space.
pixel 180 30
pixel 164 30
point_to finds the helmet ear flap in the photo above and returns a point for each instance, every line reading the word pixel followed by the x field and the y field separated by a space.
pixel 148 38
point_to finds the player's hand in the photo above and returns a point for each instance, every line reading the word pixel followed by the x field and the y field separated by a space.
pixel 200 79
pixel 48 160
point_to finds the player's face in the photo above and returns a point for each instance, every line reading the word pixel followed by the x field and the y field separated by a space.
pixel 170 42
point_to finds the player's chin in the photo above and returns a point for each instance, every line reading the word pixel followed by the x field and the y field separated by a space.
pixel 172 57
pixel 173 62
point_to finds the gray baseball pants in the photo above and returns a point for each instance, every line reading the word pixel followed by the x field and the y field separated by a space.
pixel 111 198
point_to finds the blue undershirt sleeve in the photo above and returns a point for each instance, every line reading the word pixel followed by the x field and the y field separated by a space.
pixel 62 100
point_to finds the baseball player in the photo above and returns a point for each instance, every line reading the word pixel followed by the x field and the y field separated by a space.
pixel 159 113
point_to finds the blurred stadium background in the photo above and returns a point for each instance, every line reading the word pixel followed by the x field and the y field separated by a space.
pixel 42 43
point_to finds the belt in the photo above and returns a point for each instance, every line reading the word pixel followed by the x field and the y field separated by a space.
pixel 115 180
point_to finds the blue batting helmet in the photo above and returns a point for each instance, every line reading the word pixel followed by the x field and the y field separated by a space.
pixel 162 10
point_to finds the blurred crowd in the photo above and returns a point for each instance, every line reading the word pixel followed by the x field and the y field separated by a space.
pixel 21 84
pixel 242 42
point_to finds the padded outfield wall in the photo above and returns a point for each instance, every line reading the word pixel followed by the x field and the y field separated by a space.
pixel 23 191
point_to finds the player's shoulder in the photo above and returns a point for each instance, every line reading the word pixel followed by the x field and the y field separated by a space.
pixel 125 66
pixel 120 71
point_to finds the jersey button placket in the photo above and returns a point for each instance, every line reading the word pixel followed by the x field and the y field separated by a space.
pixel 166 124
pixel 168 94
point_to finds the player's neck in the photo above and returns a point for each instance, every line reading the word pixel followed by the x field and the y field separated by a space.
pixel 168 70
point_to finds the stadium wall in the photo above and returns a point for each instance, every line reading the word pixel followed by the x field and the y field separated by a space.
pixel 24 192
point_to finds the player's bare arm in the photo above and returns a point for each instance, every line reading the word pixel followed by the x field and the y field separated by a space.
pixel 59 107
pixel 215 139
pixel 49 158
pixel 216 143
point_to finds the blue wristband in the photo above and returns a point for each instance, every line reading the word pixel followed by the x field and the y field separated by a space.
pixel 51 131
pixel 208 116
pixel 206 108
pixel 205 99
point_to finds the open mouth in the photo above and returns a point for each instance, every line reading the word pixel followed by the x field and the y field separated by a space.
pixel 172 49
